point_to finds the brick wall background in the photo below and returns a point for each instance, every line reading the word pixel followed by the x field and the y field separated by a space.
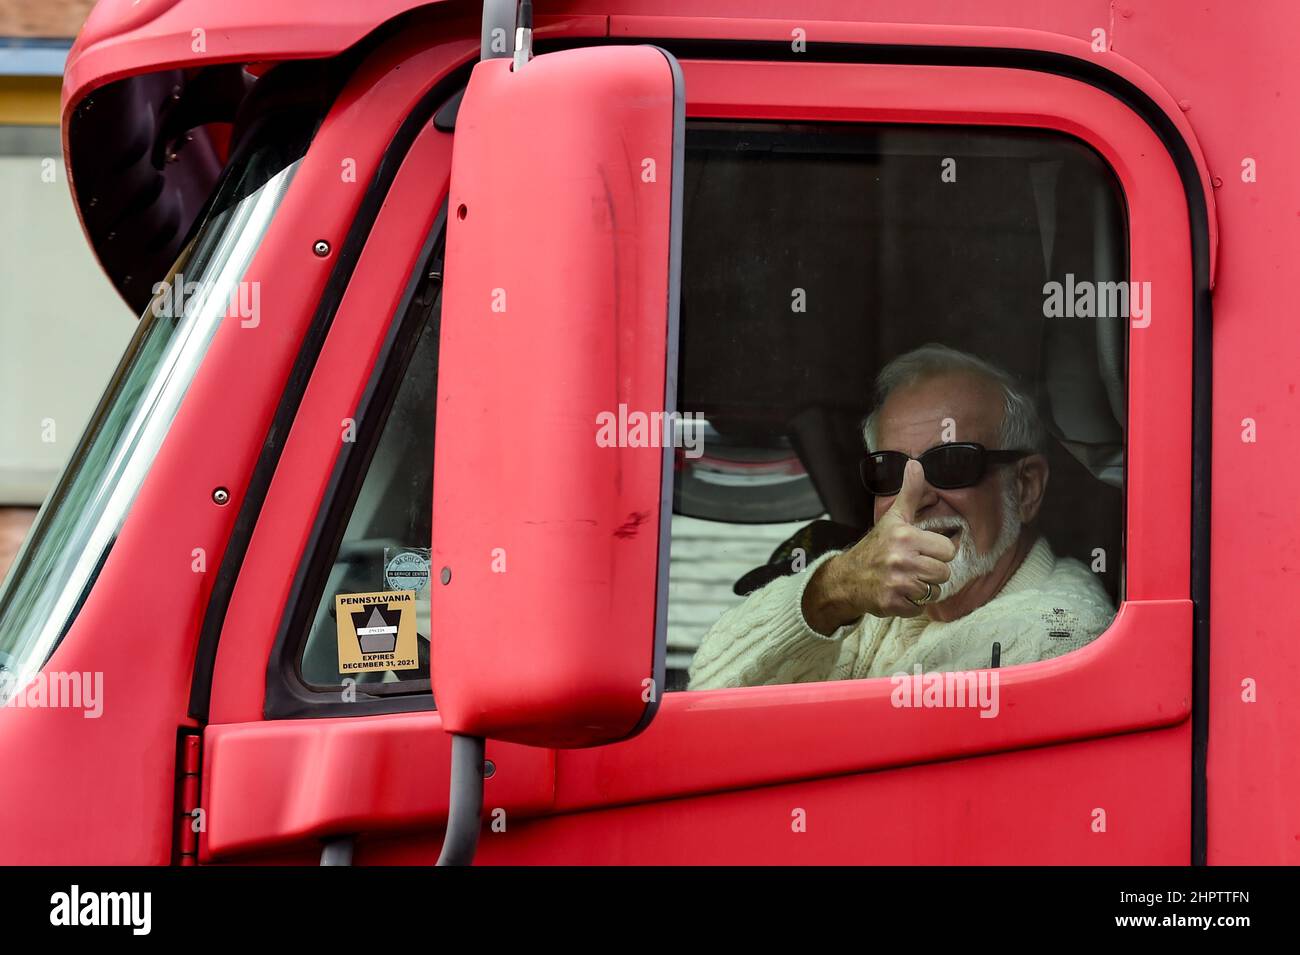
pixel 43 18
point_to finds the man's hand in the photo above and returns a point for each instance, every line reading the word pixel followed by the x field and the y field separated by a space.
pixel 880 572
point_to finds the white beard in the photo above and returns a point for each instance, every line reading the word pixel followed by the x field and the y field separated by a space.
pixel 970 565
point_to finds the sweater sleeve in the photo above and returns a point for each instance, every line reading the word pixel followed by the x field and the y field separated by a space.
pixel 765 640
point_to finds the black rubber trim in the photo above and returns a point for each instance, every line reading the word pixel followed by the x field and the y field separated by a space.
pixel 1139 102
pixel 445 119
pixel 348 252
pixel 288 695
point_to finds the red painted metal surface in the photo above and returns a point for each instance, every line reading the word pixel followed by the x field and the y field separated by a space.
pixel 109 795
pixel 272 784
pixel 128 37
pixel 384 94
pixel 1222 73
pixel 286 782
pixel 1139 673
pixel 381 96
pixel 555 315
pixel 1137 676
pixel 1039 806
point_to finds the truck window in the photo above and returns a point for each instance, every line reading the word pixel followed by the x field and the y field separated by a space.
pixel 814 256
pixel 980 269
pixel 385 545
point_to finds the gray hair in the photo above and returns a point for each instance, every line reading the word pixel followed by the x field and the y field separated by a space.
pixel 1022 430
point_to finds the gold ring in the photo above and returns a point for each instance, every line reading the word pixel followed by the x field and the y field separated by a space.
pixel 925 598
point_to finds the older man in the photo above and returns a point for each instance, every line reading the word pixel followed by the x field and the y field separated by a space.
pixel 952 565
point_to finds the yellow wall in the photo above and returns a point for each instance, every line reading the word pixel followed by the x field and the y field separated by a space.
pixel 29 100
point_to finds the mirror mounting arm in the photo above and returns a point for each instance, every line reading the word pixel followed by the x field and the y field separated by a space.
pixel 465 811
pixel 524 34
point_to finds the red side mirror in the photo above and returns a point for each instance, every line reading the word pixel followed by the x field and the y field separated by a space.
pixel 559 309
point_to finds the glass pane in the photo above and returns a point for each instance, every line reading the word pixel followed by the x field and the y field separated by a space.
pixel 386 544
pixel 816 255
pixel 76 528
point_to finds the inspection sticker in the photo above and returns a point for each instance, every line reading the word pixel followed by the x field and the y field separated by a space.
pixel 376 631
pixel 407 569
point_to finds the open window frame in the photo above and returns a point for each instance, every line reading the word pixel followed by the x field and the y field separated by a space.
pixel 1137 675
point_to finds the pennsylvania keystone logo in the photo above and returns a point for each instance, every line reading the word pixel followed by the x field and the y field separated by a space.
pixel 376 626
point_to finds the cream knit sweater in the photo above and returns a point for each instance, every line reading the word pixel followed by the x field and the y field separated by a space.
pixel 1049 606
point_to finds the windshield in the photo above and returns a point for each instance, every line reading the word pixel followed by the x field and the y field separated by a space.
pixel 75 529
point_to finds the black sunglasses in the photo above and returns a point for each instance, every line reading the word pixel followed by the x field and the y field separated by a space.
pixel 947 466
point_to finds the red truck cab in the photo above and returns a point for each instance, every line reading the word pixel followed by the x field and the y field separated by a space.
pixel 394 279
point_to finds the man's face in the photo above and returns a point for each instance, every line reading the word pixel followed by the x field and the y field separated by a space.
pixel 958 407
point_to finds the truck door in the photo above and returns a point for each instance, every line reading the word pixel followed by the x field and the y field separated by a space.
pixel 837 214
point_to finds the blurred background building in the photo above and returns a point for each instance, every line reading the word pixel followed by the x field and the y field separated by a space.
pixel 62 326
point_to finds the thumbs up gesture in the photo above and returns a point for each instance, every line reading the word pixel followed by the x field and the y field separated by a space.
pixel 885 571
